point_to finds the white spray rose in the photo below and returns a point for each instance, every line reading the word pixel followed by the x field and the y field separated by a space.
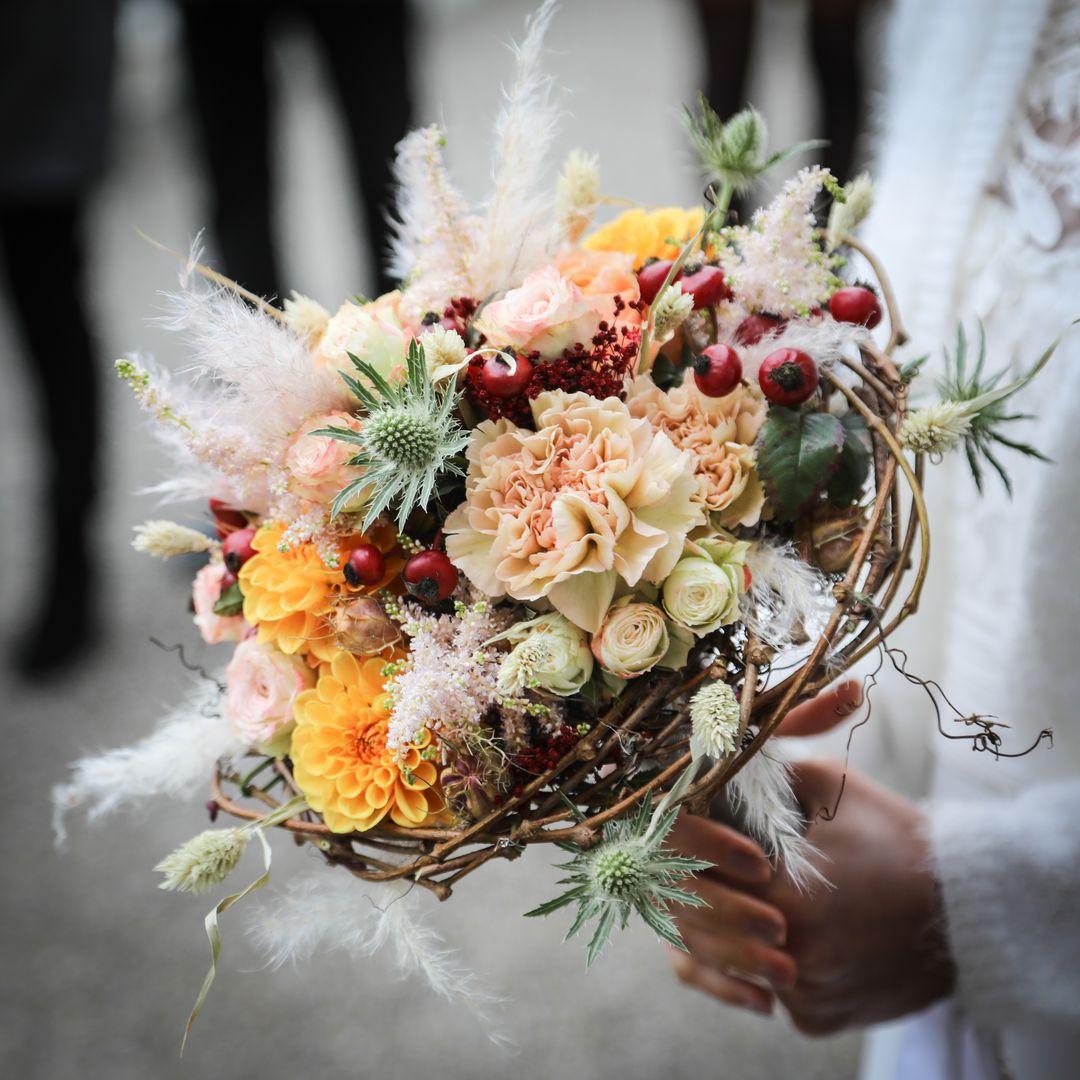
pixel 550 654
pixel 634 637
pixel 262 684
pixel 702 592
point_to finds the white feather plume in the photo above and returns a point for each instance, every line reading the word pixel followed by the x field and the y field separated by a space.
pixel 762 790
pixel 518 229
pixel 787 597
pixel 174 761
pixel 434 232
pixel 320 910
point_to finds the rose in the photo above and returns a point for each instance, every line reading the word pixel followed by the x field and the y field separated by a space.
pixel 373 332
pixel 261 684
pixel 550 654
pixel 634 638
pixel 703 591
pixel 317 465
pixel 601 276
pixel 205 593
pixel 546 313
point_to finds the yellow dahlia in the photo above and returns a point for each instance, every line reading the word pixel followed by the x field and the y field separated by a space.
pixel 289 594
pixel 647 234
pixel 340 758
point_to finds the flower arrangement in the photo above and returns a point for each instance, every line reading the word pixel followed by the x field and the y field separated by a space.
pixel 543 545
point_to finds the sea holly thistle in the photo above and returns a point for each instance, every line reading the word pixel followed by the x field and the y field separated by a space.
pixel 629 871
pixel 409 439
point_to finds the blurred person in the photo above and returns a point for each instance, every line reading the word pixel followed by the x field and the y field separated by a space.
pixel 56 63
pixel 959 919
pixel 367 45
pixel 727 28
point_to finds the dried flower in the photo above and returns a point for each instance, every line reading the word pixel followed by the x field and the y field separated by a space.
pixel 305 317
pixel 203 861
pixel 935 428
pixel 444 352
pixel 164 539
pixel 577 194
pixel 670 310
pixel 846 213
pixel 714 721
pixel 630 871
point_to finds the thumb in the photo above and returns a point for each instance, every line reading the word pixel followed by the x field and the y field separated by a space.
pixel 816 785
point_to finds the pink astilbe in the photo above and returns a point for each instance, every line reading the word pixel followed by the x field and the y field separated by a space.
pixel 450 684
pixel 775 263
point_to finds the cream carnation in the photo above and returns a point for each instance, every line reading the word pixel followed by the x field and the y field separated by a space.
pixel 373 332
pixel 205 593
pixel 719 433
pixel 590 497
pixel 633 639
pixel 550 654
pixel 547 312
pixel 261 685
pixel 702 593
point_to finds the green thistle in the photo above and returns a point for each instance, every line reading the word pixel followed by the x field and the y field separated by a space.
pixel 981 409
pixel 409 438
pixel 630 870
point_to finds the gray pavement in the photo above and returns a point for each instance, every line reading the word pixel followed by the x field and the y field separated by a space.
pixel 98 967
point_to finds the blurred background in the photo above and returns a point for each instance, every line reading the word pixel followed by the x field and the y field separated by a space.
pixel 269 124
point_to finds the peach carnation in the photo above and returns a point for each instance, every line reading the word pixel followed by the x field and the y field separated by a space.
pixel 547 312
pixel 340 758
pixel 563 512
pixel 647 234
pixel 205 593
pixel 719 433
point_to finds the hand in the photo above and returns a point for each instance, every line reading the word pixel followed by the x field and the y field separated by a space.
pixel 734 943
pixel 871 947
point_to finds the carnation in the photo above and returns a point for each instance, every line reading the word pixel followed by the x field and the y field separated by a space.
pixel 592 497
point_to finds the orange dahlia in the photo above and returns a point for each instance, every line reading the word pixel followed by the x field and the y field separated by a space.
pixel 646 234
pixel 288 594
pixel 340 758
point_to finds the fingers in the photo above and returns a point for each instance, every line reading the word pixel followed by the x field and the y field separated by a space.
pixel 734 855
pixel 823 712
pixel 816 785
pixel 727 988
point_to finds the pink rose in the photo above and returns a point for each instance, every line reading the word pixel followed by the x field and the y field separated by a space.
pixel 205 591
pixel 317 464
pixel 261 684
pixel 548 313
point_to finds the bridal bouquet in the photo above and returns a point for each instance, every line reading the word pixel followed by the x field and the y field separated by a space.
pixel 542 545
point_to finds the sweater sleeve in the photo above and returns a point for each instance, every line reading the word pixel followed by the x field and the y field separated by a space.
pixel 1010 876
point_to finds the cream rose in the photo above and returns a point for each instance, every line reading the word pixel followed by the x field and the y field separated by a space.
pixel 719 432
pixel 589 498
pixel 547 312
pixel 634 638
pixel 374 332
pixel 549 654
pixel 317 465
pixel 702 593
pixel 261 684
pixel 205 593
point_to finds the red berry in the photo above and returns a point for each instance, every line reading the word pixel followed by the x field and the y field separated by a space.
pixel 430 576
pixel 228 580
pixel 754 327
pixel 226 518
pixel 651 276
pixel 503 380
pixel 855 304
pixel 705 283
pixel 717 370
pixel 237 549
pixel 365 566
pixel 788 377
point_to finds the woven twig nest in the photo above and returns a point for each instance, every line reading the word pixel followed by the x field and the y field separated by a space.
pixel 638 745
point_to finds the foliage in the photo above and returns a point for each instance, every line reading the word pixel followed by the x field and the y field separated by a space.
pixel 798 452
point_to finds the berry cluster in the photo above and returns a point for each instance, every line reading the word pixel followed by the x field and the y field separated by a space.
pixel 534 761
pixel 455 316
pixel 598 369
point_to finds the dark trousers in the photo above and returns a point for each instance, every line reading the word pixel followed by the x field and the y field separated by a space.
pixel 366 46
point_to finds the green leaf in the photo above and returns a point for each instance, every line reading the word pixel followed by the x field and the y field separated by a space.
pixel 797 454
pixel 846 484
pixel 230 602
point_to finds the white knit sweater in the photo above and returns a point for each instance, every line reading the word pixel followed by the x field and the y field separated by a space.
pixel 976 215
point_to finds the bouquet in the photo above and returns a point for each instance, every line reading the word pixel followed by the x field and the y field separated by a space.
pixel 541 546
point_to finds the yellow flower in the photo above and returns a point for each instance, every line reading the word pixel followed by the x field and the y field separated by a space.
pixel 340 758
pixel 289 594
pixel 647 234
